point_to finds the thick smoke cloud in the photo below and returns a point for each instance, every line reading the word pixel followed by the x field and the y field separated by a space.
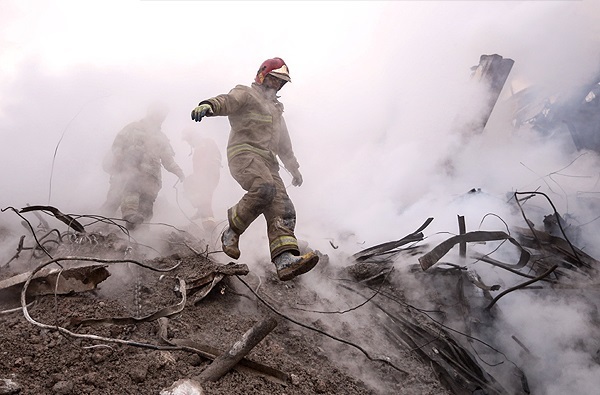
pixel 377 90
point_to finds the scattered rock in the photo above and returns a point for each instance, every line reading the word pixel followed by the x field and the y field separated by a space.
pixel 9 387
pixel 93 379
pixel 100 356
pixel 275 348
pixel 320 386
pixel 138 373
pixel 63 388
pixel 194 360
pixel 184 387
pixel 295 379
pixel 70 369
pixel 161 358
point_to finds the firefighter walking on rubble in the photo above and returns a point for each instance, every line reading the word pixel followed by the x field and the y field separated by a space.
pixel 199 186
pixel 139 152
pixel 258 136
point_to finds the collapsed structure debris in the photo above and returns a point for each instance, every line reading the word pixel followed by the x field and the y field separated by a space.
pixel 84 277
pixel 452 338
pixel 56 281
pixel 442 249
pixel 244 365
pixel 491 73
pixel 410 328
pixel 405 327
pixel 551 261
pixel 165 312
pixel 571 112
pixel 203 284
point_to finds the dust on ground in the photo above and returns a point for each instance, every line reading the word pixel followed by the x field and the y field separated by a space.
pixel 321 347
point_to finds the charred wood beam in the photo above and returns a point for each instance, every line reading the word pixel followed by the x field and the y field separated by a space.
pixel 245 365
pixel 226 361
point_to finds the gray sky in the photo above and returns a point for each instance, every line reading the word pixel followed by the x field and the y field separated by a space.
pixel 376 89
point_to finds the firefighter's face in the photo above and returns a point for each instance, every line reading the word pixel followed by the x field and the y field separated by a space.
pixel 274 83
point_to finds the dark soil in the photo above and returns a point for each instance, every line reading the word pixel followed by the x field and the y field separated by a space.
pixel 320 352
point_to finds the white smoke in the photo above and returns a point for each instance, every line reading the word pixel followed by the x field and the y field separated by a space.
pixel 377 88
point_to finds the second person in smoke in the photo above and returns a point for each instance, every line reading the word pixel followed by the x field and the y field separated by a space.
pixel 199 187
pixel 139 152
pixel 258 136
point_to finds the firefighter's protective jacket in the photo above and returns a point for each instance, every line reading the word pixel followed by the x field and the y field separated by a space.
pixel 258 135
pixel 257 124
pixel 140 149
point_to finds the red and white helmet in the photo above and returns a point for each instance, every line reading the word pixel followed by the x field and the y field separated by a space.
pixel 276 67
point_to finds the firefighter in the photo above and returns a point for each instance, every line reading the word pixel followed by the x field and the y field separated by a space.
pixel 199 187
pixel 258 136
pixel 138 152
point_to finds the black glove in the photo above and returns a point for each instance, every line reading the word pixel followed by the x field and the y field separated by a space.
pixel 201 111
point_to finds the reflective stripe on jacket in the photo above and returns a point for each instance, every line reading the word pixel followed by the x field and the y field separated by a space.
pixel 234 150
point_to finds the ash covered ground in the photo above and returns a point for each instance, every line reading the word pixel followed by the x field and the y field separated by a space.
pixel 327 344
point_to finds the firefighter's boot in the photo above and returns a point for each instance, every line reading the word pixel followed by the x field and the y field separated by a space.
pixel 229 240
pixel 133 220
pixel 289 265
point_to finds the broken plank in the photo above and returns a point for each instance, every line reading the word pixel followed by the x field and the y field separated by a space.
pixel 226 361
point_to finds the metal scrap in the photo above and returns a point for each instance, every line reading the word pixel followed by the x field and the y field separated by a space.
pixel 526 283
pixel 432 257
pixel 165 312
pixel 493 71
pixel 391 246
pixel 558 247
pixel 202 286
pixel 59 281
pixel 65 218
pixel 454 365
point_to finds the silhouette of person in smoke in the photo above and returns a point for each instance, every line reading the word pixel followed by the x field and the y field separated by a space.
pixel 137 156
pixel 199 187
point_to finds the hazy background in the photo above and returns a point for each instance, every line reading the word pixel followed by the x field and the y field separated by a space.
pixel 377 87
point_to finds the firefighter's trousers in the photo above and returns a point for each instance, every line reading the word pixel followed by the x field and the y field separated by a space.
pixel 265 195
pixel 138 198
